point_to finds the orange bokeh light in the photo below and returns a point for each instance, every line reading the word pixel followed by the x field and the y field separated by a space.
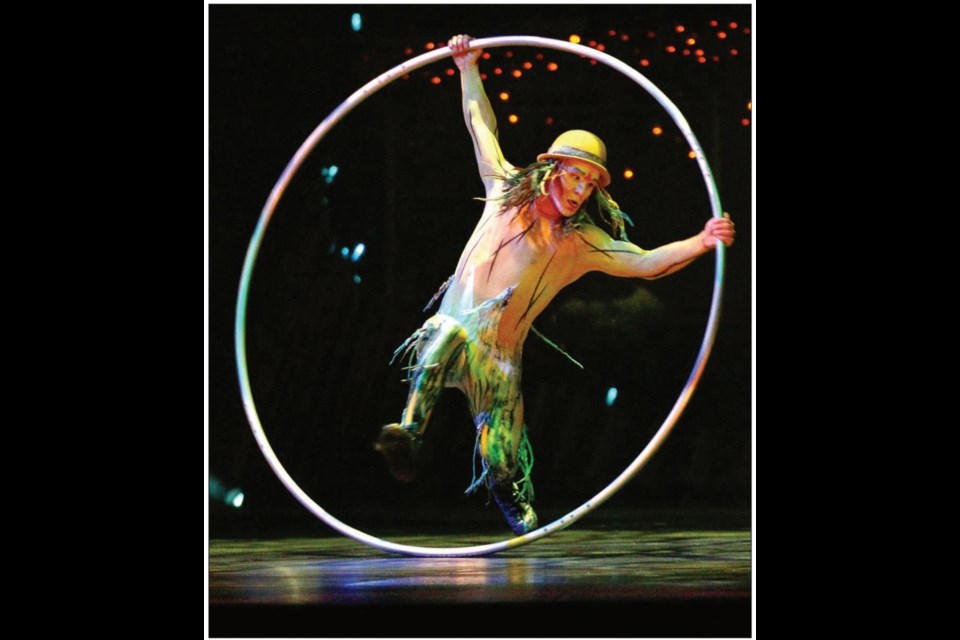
pixel 657 130
pixel 486 55
pixel 450 72
pixel 628 173
pixel 611 33
pixel 644 62
pixel 429 46
pixel 698 52
pixel 691 41
pixel 734 52
pixel 551 66
pixel 575 39
pixel 749 106
pixel 528 65
pixel 686 52
pixel 435 79
pixel 671 49
pixel 680 28
pixel 733 25
pixel 497 71
pixel 513 118
pixel 721 34
pixel 713 23
pixel 745 122
pixel 504 96
pixel 517 73
pixel 692 154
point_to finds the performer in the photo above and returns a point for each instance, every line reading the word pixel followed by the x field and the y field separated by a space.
pixel 534 238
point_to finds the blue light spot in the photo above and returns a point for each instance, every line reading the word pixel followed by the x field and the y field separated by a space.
pixel 235 498
pixel 217 489
pixel 356 22
pixel 330 173
pixel 358 252
pixel 356 279
pixel 611 396
pixel 344 252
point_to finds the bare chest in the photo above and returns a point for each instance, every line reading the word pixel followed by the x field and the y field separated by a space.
pixel 527 256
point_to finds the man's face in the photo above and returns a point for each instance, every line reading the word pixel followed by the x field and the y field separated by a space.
pixel 573 184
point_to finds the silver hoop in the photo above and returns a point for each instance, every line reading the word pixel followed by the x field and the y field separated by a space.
pixel 268 209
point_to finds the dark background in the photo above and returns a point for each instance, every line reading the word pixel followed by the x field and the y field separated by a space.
pixel 319 341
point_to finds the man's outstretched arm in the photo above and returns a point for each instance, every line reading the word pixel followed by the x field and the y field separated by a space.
pixel 478 114
pixel 600 252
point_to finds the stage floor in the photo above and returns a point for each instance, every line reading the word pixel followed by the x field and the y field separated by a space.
pixel 575 583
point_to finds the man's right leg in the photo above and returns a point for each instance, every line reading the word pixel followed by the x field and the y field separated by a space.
pixel 439 347
pixel 508 458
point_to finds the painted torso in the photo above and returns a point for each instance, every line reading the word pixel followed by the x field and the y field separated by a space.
pixel 518 249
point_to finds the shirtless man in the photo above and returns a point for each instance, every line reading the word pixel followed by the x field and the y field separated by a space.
pixel 534 238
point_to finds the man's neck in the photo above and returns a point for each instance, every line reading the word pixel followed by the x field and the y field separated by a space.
pixel 544 209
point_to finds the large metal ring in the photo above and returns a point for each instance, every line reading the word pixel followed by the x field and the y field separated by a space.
pixel 329 122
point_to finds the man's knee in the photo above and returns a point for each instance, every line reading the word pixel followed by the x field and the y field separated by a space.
pixel 442 337
pixel 437 350
pixel 444 333
pixel 499 456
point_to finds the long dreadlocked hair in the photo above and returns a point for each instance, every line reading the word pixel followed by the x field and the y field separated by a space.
pixel 523 186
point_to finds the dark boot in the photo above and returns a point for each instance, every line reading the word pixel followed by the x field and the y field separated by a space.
pixel 400 447
pixel 515 507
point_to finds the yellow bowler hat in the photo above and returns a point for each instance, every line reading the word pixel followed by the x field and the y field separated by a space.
pixel 581 145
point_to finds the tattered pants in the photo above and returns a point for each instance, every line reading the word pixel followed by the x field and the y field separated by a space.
pixel 451 353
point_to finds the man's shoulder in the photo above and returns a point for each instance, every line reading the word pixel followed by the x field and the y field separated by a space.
pixel 589 230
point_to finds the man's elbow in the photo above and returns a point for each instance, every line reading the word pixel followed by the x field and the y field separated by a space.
pixel 640 274
pixel 479 120
pixel 645 271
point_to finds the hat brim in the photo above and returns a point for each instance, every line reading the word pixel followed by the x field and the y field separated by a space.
pixel 604 174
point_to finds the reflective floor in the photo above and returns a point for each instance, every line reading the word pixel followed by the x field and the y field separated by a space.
pixel 578 582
